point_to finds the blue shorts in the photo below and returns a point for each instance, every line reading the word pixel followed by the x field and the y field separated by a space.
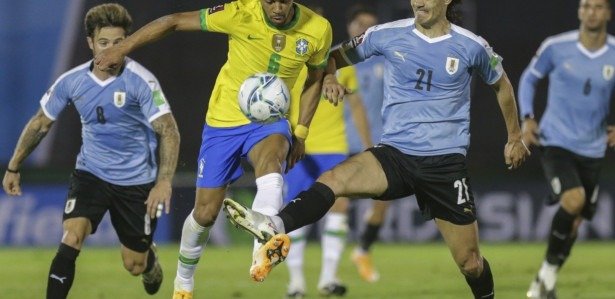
pixel 305 173
pixel 219 162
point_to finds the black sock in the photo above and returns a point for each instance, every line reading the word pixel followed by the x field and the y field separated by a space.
pixel 482 286
pixel 561 229
pixel 567 248
pixel 369 236
pixel 308 207
pixel 61 272
pixel 151 260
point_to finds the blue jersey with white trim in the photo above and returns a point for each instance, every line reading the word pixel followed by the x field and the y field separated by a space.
pixel 119 143
pixel 580 87
pixel 426 109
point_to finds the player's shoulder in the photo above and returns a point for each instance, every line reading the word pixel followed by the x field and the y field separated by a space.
pixel 561 39
pixel 75 73
pixel 610 41
pixel 392 26
pixel 139 73
pixel 313 20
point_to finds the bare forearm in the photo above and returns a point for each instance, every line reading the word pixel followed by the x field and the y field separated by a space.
pixel 508 106
pixel 160 28
pixel 31 136
pixel 168 147
pixel 309 100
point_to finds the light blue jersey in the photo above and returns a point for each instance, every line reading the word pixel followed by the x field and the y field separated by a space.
pixel 580 87
pixel 119 144
pixel 426 109
pixel 370 74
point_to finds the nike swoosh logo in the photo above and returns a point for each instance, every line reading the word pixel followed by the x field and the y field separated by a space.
pixel 252 37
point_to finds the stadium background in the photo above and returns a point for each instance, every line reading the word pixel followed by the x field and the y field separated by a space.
pixel 42 39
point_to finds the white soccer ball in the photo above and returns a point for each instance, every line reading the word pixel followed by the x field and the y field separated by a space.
pixel 264 98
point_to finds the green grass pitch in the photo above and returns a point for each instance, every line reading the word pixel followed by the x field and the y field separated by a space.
pixel 407 271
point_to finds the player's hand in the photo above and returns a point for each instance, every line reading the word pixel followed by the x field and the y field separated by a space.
pixel 297 152
pixel 611 136
pixel 515 152
pixel 332 90
pixel 10 183
pixel 159 198
pixel 109 59
pixel 529 132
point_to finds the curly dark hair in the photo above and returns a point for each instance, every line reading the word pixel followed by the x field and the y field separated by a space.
pixel 452 13
pixel 107 15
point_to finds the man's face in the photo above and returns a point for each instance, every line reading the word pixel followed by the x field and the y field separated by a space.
pixel 594 14
pixel 361 23
pixel 106 37
pixel 428 12
pixel 278 11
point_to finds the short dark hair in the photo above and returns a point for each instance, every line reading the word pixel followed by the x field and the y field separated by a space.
pixel 107 15
pixel 357 10
pixel 453 15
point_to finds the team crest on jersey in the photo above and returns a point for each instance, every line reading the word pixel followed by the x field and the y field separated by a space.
pixel 70 205
pixel 452 64
pixel 607 72
pixel 301 46
pixel 278 42
pixel 119 99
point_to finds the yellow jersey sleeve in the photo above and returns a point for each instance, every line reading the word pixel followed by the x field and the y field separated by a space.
pixel 320 58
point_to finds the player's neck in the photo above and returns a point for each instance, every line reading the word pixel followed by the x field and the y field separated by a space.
pixel 592 40
pixel 102 75
pixel 437 29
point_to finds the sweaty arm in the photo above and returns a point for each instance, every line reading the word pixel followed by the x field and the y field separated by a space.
pixel 168 149
pixel 31 136
pixel 515 151
pixel 155 30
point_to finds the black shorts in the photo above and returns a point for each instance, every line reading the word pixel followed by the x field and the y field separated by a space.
pixel 91 197
pixel 441 183
pixel 565 170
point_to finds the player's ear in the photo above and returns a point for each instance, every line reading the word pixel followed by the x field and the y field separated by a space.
pixel 90 43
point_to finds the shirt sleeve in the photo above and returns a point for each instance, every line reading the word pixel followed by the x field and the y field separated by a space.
pixel 540 66
pixel 55 99
pixel 220 18
pixel 542 63
pixel 321 56
pixel 488 63
pixel 152 100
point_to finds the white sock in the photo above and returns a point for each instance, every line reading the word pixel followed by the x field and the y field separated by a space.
pixel 548 274
pixel 333 241
pixel 268 199
pixel 194 238
pixel 294 260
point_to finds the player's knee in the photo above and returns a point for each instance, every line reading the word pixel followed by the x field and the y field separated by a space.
pixel 133 266
pixel 73 239
pixel 332 180
pixel 471 266
pixel 573 200
pixel 204 215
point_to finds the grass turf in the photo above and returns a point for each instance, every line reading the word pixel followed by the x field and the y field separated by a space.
pixel 407 271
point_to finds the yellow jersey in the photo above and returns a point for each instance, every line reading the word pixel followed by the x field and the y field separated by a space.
pixel 257 46
pixel 328 128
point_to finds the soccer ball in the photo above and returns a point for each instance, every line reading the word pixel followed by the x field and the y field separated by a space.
pixel 264 98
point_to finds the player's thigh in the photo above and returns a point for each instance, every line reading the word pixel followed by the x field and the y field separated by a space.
pixel 269 154
pixel 267 147
pixel 444 189
pixel 128 211
pixel 359 175
pixel 462 240
pixel 589 173
pixel 86 204
pixel 560 170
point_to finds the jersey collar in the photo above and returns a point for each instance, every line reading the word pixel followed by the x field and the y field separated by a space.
pixel 284 27
pixel 593 54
